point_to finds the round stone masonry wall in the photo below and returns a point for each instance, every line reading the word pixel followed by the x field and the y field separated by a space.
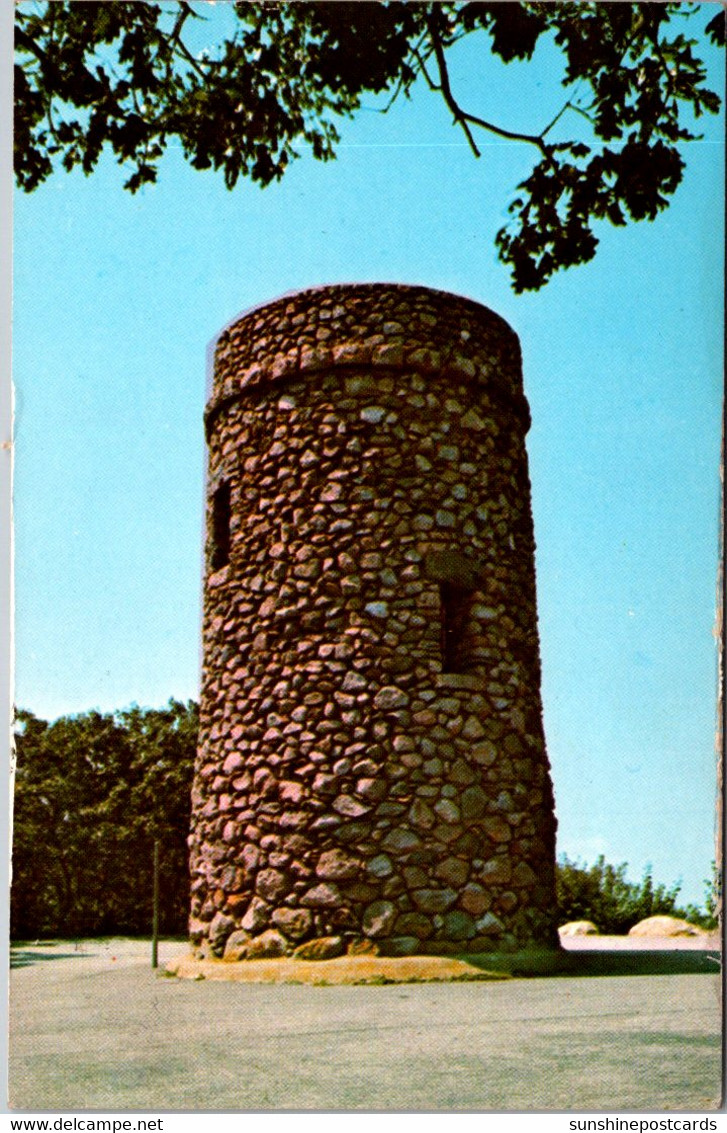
pixel 371 770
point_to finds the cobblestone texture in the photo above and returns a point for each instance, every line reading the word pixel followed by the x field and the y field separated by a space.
pixel 371 766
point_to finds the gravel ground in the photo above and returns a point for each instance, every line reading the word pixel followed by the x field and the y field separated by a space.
pixel 92 1027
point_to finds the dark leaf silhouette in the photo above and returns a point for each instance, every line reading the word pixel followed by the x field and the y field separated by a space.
pixel 280 77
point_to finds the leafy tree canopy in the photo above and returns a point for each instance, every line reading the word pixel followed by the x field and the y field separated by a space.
pixel 92 794
pixel 126 76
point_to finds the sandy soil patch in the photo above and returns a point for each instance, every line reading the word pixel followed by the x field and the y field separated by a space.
pixel 344 970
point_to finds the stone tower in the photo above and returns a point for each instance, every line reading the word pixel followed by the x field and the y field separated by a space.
pixel 371 763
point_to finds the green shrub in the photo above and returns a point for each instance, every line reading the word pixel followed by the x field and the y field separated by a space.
pixel 602 893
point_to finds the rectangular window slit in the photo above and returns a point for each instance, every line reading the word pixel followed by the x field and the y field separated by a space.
pixel 221 515
pixel 455 603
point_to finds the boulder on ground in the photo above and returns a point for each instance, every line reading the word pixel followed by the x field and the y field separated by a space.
pixel 363 947
pixel 219 930
pixel 578 928
pixel 322 948
pixel 236 946
pixel 665 926
pixel 267 946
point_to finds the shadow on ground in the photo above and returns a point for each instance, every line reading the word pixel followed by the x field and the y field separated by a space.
pixel 591 961
pixel 27 953
pixel 24 957
pixel 656 962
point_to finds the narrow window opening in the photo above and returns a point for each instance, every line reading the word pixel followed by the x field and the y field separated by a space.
pixel 221 514
pixel 455 602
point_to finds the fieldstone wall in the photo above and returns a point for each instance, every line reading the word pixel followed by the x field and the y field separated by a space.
pixel 372 772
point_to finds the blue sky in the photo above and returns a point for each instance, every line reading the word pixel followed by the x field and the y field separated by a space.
pixel 116 298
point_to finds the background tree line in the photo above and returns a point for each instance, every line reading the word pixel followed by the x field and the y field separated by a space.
pixel 93 791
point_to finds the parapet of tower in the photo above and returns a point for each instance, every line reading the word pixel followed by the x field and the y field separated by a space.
pixel 371 765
